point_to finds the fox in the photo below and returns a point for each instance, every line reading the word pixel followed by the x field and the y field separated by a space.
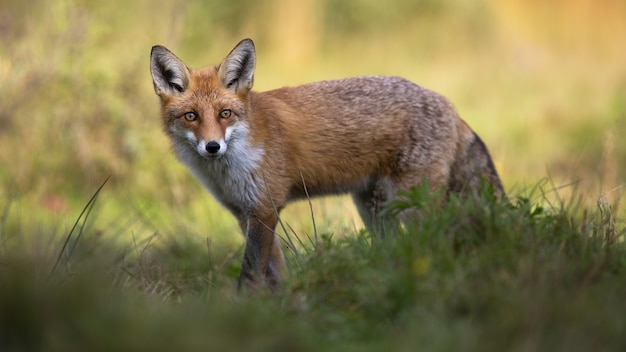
pixel 370 136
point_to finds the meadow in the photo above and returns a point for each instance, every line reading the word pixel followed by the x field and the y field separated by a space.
pixel 107 243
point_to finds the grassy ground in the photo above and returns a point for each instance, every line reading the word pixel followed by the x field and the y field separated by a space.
pixel 152 262
pixel 474 275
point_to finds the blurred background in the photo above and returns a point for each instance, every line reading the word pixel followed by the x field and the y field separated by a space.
pixel 543 83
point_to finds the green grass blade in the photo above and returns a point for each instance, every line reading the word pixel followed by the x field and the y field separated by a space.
pixel 86 211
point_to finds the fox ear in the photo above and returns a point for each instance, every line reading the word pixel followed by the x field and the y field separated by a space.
pixel 237 70
pixel 169 74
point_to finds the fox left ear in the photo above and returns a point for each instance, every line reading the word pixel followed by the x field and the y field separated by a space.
pixel 237 70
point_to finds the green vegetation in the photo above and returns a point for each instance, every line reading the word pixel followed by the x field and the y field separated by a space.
pixel 474 275
pixel 152 261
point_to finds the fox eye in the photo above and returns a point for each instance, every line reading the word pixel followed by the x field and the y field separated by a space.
pixel 225 113
pixel 190 116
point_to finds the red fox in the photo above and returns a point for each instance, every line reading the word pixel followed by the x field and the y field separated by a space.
pixel 369 136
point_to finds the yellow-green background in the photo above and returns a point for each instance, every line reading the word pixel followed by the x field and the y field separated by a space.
pixel 543 83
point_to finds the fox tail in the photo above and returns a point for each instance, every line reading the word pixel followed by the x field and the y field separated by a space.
pixel 472 166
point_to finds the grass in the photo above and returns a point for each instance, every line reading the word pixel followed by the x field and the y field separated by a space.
pixel 475 275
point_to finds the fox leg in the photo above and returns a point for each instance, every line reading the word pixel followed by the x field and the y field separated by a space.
pixel 263 258
pixel 370 202
pixel 437 178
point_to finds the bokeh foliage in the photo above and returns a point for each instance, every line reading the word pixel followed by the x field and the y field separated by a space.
pixel 544 84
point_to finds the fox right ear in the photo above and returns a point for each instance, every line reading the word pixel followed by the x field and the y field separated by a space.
pixel 169 74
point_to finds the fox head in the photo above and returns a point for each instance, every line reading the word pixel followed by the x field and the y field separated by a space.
pixel 205 109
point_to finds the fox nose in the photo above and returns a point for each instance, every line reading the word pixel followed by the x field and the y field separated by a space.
pixel 212 147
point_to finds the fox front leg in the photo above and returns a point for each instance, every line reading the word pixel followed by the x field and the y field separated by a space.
pixel 263 261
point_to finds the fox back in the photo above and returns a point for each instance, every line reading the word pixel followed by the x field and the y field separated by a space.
pixel 370 136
